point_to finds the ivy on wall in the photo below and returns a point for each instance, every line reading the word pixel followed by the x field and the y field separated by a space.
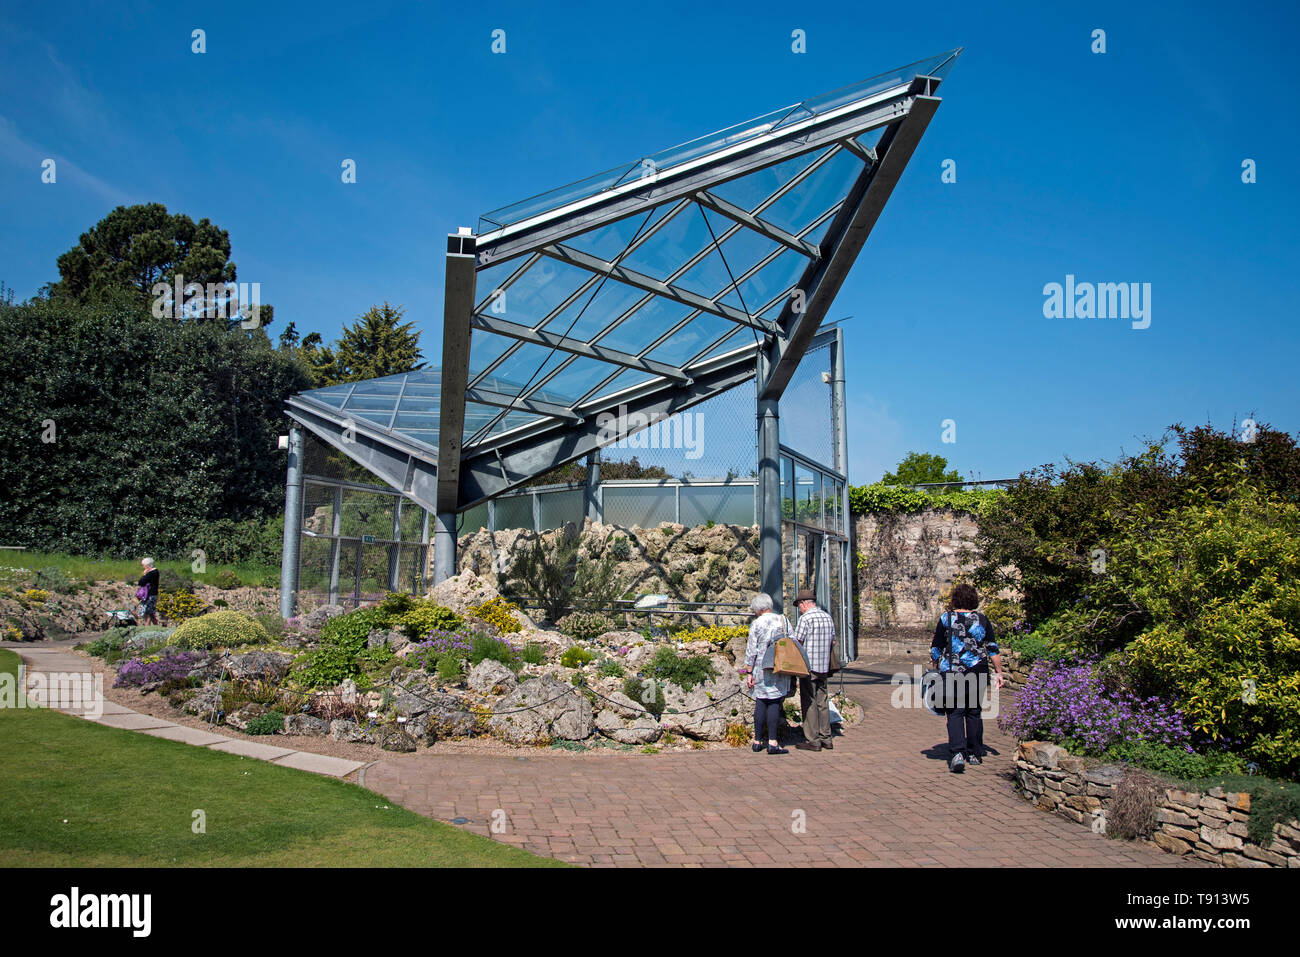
pixel 880 498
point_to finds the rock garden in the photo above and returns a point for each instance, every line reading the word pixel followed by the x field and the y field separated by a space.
pixel 462 665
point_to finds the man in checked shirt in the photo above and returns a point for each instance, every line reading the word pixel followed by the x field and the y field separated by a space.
pixel 815 633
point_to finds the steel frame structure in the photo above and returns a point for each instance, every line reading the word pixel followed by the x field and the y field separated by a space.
pixel 523 430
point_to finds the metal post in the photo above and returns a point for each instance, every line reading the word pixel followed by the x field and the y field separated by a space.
pixel 424 548
pixel 291 553
pixel 769 494
pixel 444 547
pixel 336 546
pixel 395 550
pixel 593 483
pixel 840 421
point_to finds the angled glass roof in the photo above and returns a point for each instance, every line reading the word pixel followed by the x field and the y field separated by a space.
pixel 654 285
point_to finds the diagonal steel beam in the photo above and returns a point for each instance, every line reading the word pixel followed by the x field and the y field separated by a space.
pixel 845 238
pixel 508 465
pixel 458 306
pixel 503 401
pixel 749 221
pixel 577 347
pixel 641 281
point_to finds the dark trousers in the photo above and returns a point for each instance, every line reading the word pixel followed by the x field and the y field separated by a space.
pixel 962 697
pixel 767 715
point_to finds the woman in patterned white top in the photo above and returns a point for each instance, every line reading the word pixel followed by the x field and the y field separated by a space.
pixel 769 689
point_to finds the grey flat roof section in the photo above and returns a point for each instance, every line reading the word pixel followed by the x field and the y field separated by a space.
pixel 648 288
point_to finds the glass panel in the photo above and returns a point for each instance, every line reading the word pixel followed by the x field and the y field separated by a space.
pixel 802 205
pixel 556 508
pixel 836 608
pixel 318 509
pixel 806 488
pixel 720 504
pixel 747 131
pixel 471 520
pixel 514 511
pixel 645 325
pixel 533 296
pixel 787 487
pixel 789 566
pixel 594 310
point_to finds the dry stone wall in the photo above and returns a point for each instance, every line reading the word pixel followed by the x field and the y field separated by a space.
pixel 910 559
pixel 1210 825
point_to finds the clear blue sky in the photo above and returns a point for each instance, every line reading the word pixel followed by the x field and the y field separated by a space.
pixel 1119 167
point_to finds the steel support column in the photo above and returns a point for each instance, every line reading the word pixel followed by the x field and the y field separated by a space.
pixel 336 545
pixel 444 546
pixel 840 425
pixel 290 554
pixel 593 484
pixel 769 496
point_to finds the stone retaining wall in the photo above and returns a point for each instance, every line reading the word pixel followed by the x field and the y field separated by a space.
pixel 1211 825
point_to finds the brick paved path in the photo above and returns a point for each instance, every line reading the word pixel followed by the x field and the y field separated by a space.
pixel 882 797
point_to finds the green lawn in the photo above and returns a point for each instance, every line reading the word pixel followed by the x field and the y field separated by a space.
pixel 86 569
pixel 74 793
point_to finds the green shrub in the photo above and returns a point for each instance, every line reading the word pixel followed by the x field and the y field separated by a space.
pixel 325 666
pixel 497 613
pixel 609 668
pixel 270 723
pixel 1003 615
pixel 482 648
pixel 686 672
pixel 533 653
pixel 585 626
pixel 372 659
pixel 350 631
pixel 220 603
pixel 424 617
pixel 178 606
pixel 273 624
pixel 449 669
pixel 1030 647
pixel 1175 762
pixel 53 578
pixel 576 657
pixel 174 581
pixel 226 580
pixel 219 629
pixel 647 693
pixel 620 548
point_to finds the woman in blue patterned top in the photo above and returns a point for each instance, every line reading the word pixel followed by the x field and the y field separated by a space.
pixel 769 689
pixel 962 648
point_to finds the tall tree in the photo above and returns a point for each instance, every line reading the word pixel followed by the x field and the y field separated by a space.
pixel 134 247
pixel 920 468
pixel 377 344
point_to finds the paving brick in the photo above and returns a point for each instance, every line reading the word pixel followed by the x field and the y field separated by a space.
pixel 881 798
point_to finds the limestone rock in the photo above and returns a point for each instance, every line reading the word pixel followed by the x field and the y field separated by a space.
pixel 541 710
pixel 260 666
pixel 316 620
pixel 342 729
pixel 395 739
pixel 395 641
pixel 492 677
pixel 703 712
pixel 1220 838
pixel 306 724
pixel 239 719
pixel 641 730
pixel 462 592
pixel 624 706
pixel 203 702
